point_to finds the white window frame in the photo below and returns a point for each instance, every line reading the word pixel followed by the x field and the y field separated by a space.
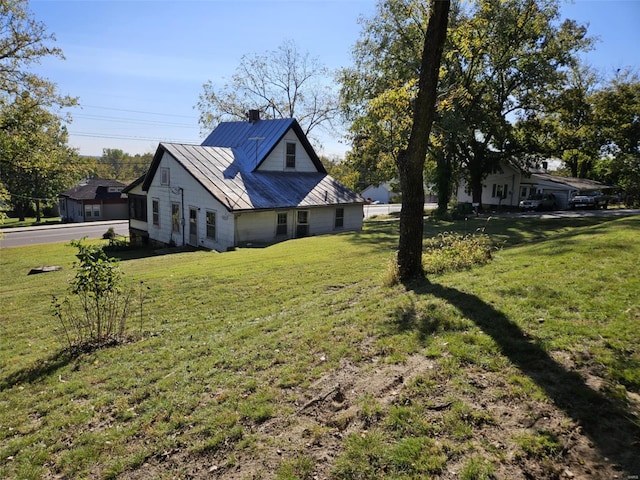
pixel 175 217
pixel 165 176
pixel 279 225
pixel 208 225
pixel 290 158
pixel 155 212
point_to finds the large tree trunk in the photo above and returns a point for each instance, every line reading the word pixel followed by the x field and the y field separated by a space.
pixel 411 162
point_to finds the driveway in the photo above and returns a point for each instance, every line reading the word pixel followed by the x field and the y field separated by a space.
pixel 610 212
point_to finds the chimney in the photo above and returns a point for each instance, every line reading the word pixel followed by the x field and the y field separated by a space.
pixel 254 116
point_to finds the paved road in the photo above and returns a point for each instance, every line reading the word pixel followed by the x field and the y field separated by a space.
pixel 13 237
pixel 387 208
pixel 611 212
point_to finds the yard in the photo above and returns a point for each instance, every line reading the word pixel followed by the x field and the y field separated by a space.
pixel 294 361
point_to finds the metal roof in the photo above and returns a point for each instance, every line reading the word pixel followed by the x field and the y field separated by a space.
pixel 225 173
pixel 255 140
pixel 571 182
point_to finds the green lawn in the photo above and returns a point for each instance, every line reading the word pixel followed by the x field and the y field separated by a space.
pixel 294 360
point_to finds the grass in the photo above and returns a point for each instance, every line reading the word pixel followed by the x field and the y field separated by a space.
pixel 11 222
pixel 233 344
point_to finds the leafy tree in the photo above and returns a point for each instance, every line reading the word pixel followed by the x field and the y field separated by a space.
pixel 24 42
pixel 284 83
pixel 616 115
pixel 508 57
pixel 565 128
pixel 500 62
pixel 377 92
pixel 411 161
pixel 35 162
pixel 115 164
pixel 32 135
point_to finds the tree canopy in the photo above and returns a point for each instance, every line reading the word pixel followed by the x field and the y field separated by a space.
pixel 34 158
pixel 500 60
pixel 35 162
pixel 24 41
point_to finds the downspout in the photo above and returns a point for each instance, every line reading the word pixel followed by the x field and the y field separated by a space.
pixel 183 221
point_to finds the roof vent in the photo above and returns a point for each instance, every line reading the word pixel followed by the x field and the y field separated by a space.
pixel 254 116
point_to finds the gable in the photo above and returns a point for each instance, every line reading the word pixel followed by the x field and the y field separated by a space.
pixel 276 160
pixel 257 141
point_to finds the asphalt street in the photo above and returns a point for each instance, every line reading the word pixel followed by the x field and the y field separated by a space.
pixel 64 232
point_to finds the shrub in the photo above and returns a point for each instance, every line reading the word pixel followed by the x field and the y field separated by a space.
pixel 453 251
pixel 95 311
pixel 110 234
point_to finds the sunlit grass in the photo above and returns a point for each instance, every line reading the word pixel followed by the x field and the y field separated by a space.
pixel 229 342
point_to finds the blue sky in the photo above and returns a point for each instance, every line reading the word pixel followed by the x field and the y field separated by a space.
pixel 138 66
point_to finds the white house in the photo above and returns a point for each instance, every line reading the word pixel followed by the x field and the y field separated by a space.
pixel 382 193
pixel 249 182
pixel 507 185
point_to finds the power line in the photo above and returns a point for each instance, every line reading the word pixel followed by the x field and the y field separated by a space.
pixel 128 137
pixel 139 111
pixel 134 120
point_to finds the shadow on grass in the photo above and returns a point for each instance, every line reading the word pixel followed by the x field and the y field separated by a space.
pixel 42 368
pixel 48 366
pixel 610 426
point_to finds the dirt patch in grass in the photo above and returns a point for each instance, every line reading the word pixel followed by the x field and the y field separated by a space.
pixel 490 415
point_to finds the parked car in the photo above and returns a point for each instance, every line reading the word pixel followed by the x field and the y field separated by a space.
pixel 589 199
pixel 539 202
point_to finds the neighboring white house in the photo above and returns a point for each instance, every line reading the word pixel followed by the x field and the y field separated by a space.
pixel 382 193
pixel 507 185
pixel 257 181
pixel 93 200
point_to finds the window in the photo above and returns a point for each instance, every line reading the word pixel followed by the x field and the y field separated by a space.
pixel 164 176
pixel 499 191
pixel 211 225
pixel 138 207
pixel 175 217
pixel 155 210
pixel 339 223
pixel 281 226
pixel 290 159
pixel 302 227
pixel 92 211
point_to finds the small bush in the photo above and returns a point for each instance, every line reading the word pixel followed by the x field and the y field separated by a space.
pixel 110 234
pixel 95 311
pixel 453 252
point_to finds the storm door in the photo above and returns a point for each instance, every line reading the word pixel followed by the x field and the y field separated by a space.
pixel 193 226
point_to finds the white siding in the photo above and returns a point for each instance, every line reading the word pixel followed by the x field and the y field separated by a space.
pixel 381 193
pixel 261 226
pixel 256 226
pixel 509 177
pixel 276 159
pixel 186 191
